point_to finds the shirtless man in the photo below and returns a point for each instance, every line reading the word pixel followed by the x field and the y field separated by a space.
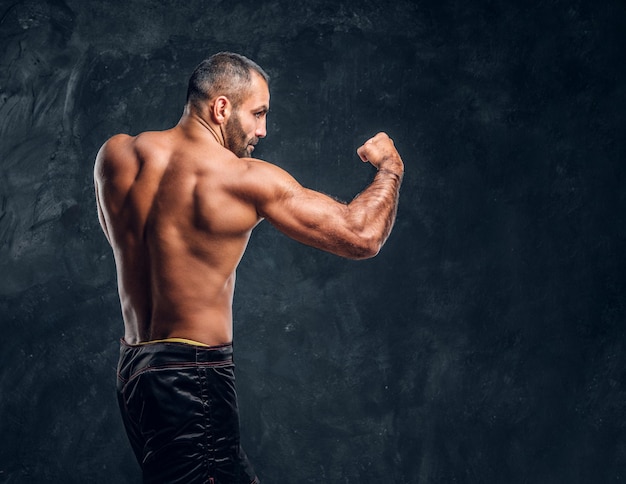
pixel 178 207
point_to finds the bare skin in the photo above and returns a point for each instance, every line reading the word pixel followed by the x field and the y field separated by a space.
pixel 178 208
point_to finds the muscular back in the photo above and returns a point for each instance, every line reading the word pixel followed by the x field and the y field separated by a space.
pixel 170 205
pixel 178 208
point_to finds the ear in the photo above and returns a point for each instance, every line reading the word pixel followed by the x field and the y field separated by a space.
pixel 221 109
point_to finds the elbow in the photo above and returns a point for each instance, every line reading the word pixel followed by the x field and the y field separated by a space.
pixel 363 255
pixel 365 248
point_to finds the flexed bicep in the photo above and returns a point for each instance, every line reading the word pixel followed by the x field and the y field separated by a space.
pixel 356 230
pixel 311 217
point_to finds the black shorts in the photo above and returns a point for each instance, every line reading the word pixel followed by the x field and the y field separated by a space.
pixel 179 407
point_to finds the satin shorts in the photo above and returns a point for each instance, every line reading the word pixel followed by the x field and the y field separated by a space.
pixel 179 407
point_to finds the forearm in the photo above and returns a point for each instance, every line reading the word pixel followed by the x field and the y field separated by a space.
pixel 372 213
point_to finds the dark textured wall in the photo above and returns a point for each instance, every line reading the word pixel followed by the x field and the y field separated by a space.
pixel 485 343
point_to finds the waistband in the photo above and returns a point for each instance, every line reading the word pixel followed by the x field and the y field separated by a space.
pixel 173 352
pixel 172 340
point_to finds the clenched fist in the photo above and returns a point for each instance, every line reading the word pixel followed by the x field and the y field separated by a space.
pixel 382 154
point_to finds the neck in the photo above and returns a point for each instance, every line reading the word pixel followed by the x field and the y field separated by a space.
pixel 217 138
pixel 192 118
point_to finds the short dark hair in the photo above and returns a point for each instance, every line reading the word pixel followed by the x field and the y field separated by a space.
pixel 223 74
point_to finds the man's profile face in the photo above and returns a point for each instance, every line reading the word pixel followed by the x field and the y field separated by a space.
pixel 247 122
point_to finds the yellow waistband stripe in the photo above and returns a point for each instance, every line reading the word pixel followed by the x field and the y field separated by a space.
pixel 175 340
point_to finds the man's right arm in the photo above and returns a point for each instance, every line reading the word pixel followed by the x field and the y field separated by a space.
pixel 115 171
pixel 356 230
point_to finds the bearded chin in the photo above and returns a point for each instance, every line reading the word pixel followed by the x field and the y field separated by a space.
pixel 238 150
pixel 235 138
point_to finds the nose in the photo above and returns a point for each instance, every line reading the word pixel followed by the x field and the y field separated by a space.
pixel 261 129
